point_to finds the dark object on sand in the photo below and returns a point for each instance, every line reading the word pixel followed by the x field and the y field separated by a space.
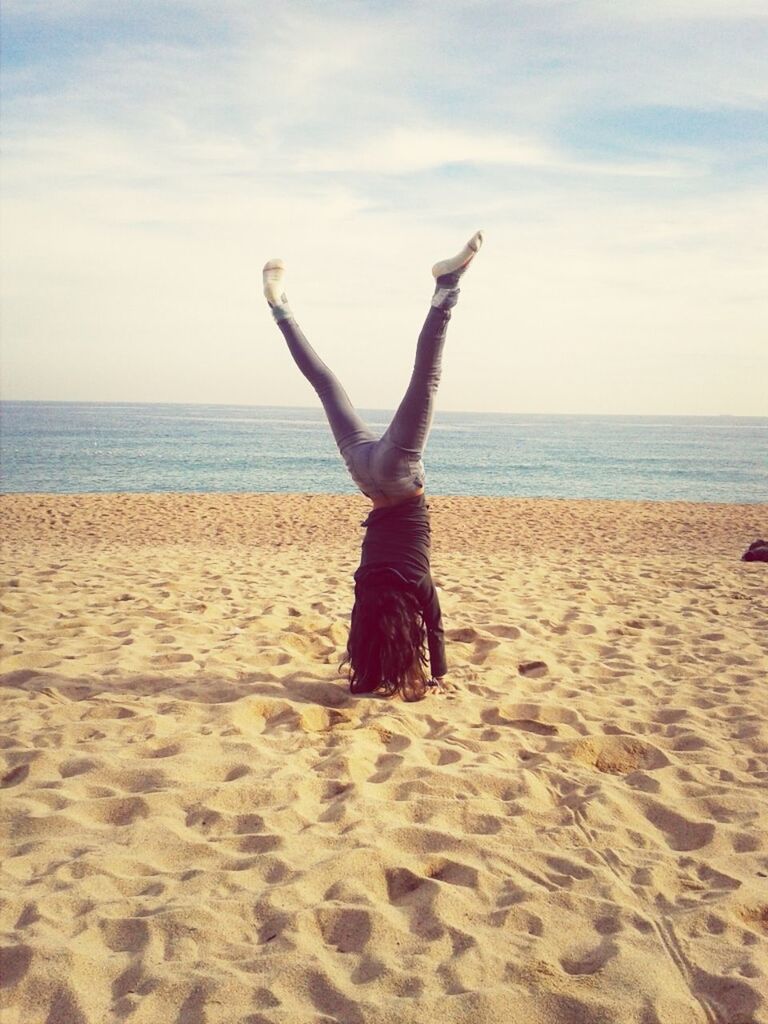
pixel 756 552
pixel 533 668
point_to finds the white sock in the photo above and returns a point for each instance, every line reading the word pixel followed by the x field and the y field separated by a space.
pixel 447 273
pixel 272 276
pixel 458 264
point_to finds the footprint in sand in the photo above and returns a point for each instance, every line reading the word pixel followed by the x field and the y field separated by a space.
pixel 755 915
pixel 533 669
pixel 117 811
pixel 591 961
pixel 259 844
pixel 14 963
pixel 482 649
pixel 172 659
pixel 680 833
pixel 348 929
pixel 745 842
pixel 77 766
pixel 15 776
pixel 125 935
pixel 530 725
pixel 618 755
pixel 401 883
pixel 106 711
pixel 463 635
pixel 505 632
pixel 454 873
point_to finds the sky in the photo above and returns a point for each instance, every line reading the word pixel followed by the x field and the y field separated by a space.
pixel 156 153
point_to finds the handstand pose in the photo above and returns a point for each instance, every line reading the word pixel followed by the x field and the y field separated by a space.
pixel 396 614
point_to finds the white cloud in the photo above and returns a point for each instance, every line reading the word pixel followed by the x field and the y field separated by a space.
pixel 414 150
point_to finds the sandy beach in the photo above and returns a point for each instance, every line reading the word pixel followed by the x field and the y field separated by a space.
pixel 202 826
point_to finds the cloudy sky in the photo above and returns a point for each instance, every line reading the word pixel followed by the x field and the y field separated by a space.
pixel 157 152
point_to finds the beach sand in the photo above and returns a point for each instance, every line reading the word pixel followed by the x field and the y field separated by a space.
pixel 202 825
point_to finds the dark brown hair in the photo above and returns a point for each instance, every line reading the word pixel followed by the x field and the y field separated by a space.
pixel 387 641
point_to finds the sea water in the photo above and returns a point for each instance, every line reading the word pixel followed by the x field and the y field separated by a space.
pixel 70 447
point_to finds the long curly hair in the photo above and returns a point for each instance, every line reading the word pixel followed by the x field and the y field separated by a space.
pixel 386 650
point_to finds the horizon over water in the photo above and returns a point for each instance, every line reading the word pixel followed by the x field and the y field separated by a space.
pixel 126 447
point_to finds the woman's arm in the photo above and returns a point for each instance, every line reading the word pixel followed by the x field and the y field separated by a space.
pixel 433 620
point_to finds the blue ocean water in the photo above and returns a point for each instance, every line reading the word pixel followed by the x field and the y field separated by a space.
pixel 90 447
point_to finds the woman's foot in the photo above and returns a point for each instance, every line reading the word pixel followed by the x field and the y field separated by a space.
pixel 459 263
pixel 272 276
pixel 448 272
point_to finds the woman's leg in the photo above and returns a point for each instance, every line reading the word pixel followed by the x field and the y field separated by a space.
pixel 347 426
pixel 410 425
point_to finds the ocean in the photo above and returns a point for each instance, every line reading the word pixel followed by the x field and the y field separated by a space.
pixel 71 447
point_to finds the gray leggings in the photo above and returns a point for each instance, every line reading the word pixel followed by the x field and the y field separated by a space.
pixel 390 466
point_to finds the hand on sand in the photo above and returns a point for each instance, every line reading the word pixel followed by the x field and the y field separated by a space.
pixel 438 687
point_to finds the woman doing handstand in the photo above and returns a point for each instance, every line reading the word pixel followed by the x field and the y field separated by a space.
pixel 396 616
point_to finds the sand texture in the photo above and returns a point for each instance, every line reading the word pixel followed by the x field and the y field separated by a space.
pixel 202 826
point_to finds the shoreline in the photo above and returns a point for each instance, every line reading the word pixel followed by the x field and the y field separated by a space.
pixel 356 495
